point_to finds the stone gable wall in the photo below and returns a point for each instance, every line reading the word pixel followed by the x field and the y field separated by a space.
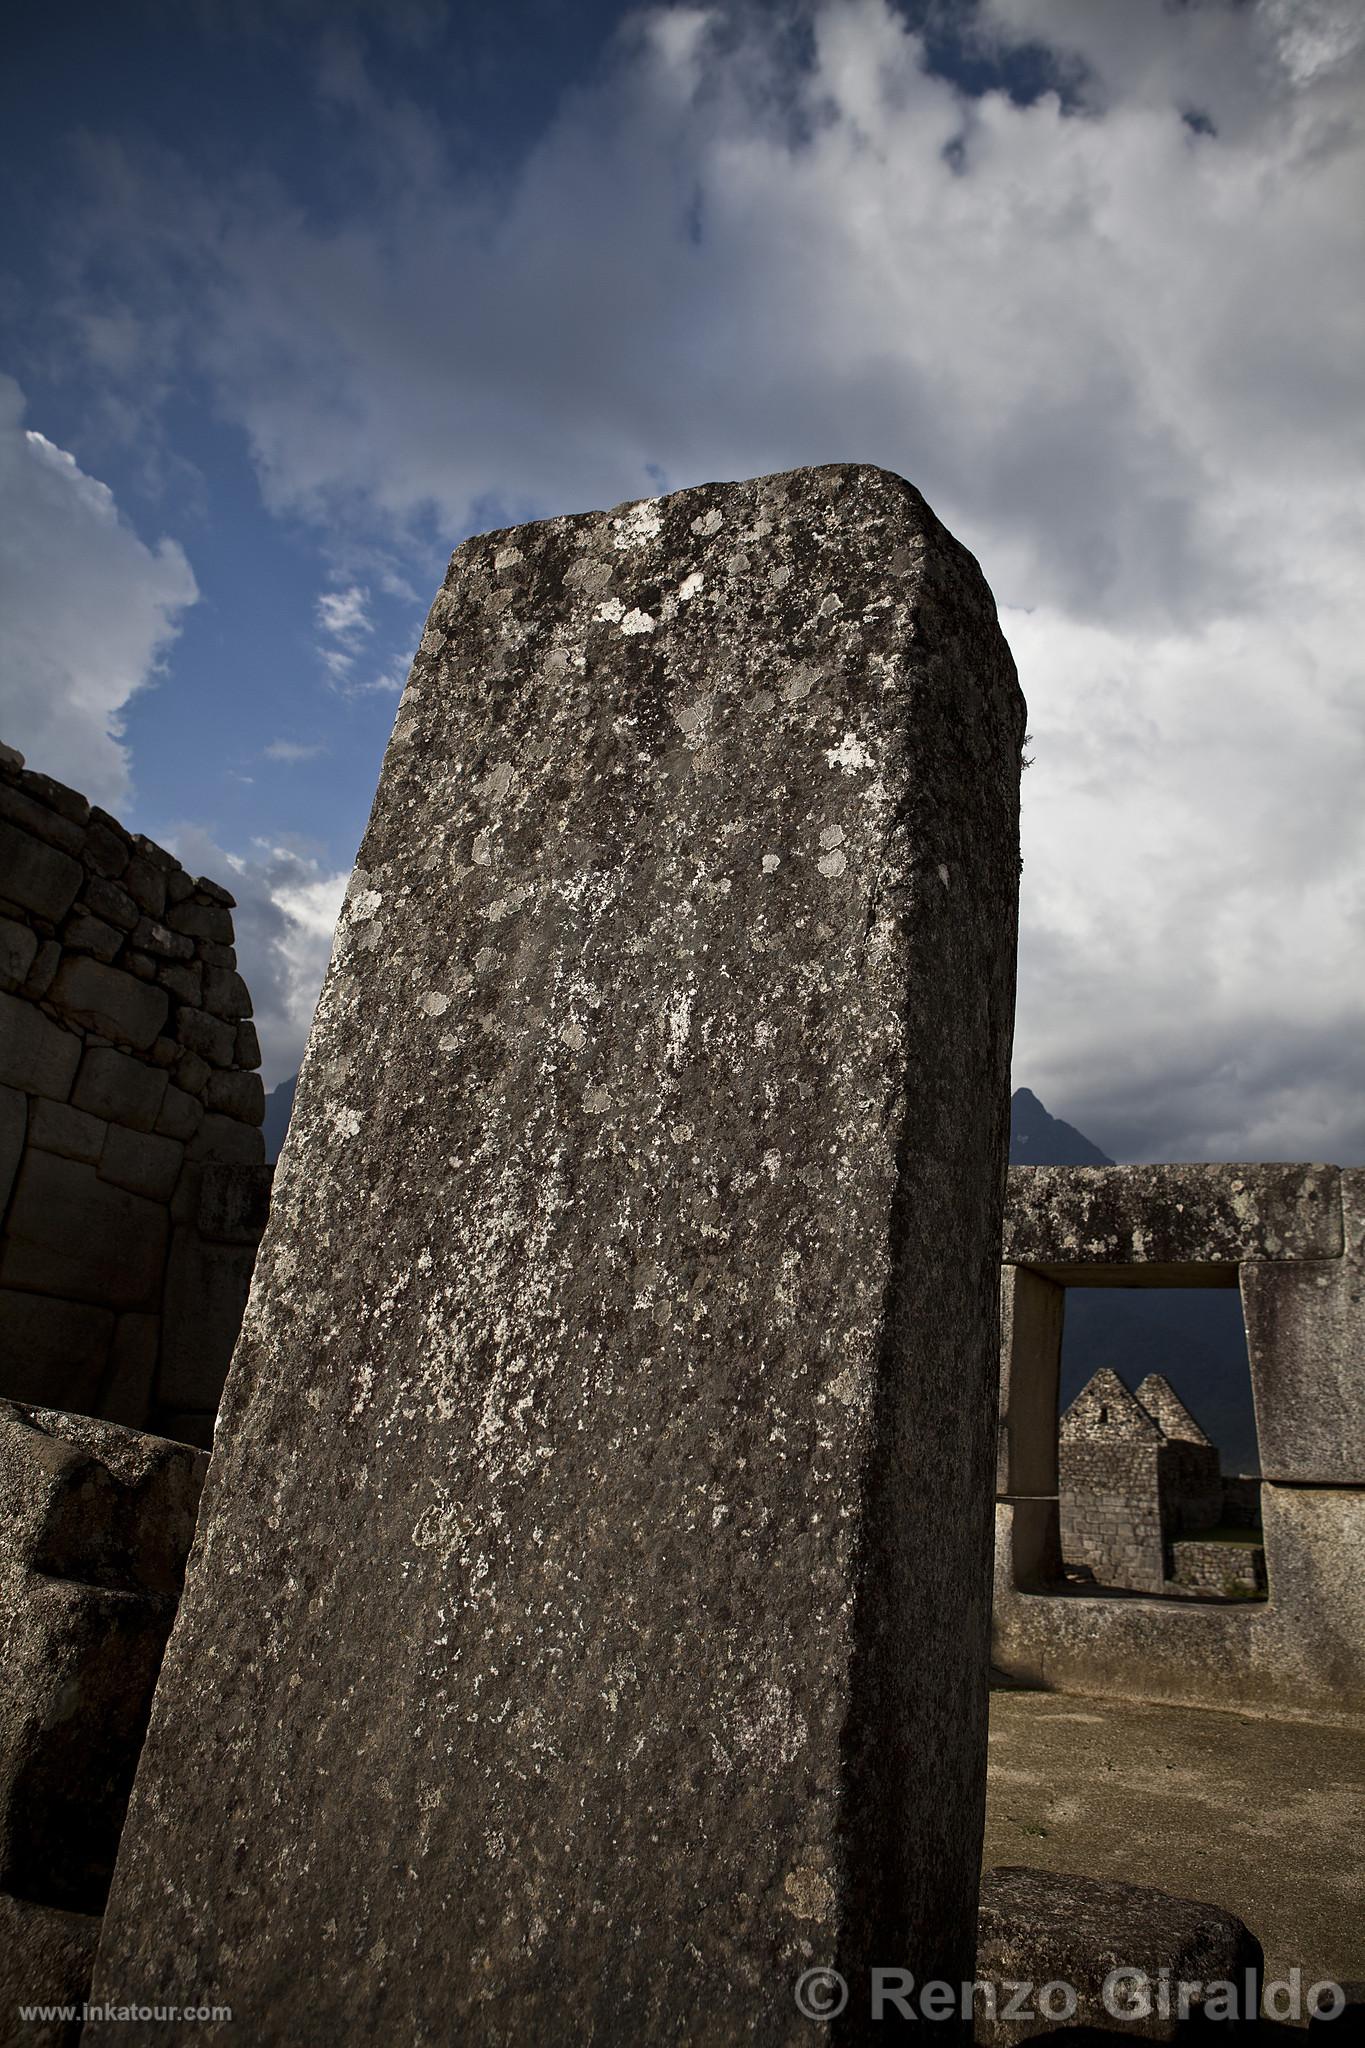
pixel 132 1185
pixel 1110 1510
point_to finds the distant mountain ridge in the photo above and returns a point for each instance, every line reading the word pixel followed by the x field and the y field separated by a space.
pixel 1196 1338
pixel 1037 1139
pixel 279 1107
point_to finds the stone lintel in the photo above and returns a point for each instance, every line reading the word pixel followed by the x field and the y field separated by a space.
pixel 1070 1221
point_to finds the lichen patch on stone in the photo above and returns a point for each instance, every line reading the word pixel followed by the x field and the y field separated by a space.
pixel 639 526
pixel 809 1893
pixel 849 755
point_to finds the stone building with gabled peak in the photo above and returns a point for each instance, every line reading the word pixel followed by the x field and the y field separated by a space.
pixel 1136 1473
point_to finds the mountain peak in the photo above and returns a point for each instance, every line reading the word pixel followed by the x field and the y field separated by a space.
pixel 1037 1139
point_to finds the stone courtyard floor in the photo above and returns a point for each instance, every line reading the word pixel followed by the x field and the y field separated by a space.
pixel 1264 1818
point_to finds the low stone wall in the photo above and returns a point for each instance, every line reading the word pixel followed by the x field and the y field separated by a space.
pixel 1229 1570
pixel 133 1191
pixel 95 1524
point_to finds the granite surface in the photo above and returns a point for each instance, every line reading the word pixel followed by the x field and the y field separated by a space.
pixel 587 1629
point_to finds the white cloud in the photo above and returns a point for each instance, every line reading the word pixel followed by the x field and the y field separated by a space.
pixel 389 681
pixel 87 611
pixel 344 613
pixel 287 908
pixel 345 616
pixel 293 750
pixel 1121 358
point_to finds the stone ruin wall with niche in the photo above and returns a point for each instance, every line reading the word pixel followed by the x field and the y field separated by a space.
pixel 1291 1239
pixel 133 1191
pixel 1135 1475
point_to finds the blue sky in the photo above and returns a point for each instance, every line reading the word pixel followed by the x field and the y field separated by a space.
pixel 293 297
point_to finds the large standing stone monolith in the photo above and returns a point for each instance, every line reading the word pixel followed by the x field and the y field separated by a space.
pixel 587 1630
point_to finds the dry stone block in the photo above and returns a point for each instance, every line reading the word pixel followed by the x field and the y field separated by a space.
pixel 45 964
pixel 55 796
pixel 1031 1311
pixel 121 1089
pixel 40 822
pixel 36 1054
pixel 192 1073
pixel 17 948
pixel 71 1234
pixel 206 1291
pixel 238 1095
pixel 52 1348
pixel 234 1203
pixel 208 1036
pixel 214 892
pixel 83 933
pixel 106 1000
pixel 69 1772
pixel 96 1525
pixel 151 937
pixel 1039 1928
pixel 157 855
pixel 112 903
pixel 146 885
pixel 185 983
pixel 147 1165
pixel 57 1127
pixel 46 1957
pixel 247 1046
pixel 129 1383
pixel 180 1115
pixel 227 1139
pixel 105 849
pixel 604 1473
pixel 37 877
pixel 1305 1325
pixel 201 921
pixel 226 994
pixel 13 1126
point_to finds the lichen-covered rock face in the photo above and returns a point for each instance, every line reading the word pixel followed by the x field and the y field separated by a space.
pixel 589 1628
pixel 1119 1948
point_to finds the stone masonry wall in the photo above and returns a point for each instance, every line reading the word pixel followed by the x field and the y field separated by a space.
pixel 133 1191
pixel 1226 1570
pixel 1110 1512
pixel 1191 1488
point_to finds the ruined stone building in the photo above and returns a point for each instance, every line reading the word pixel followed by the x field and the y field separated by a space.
pixel 1136 1475
pixel 597 1531
pixel 133 1191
